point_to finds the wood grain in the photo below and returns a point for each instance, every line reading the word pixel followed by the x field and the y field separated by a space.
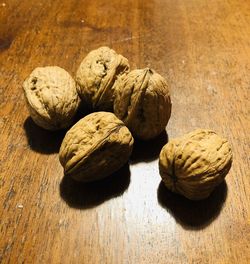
pixel 203 48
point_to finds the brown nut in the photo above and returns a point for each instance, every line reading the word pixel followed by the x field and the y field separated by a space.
pixel 143 103
pixel 95 147
pixel 193 165
pixel 51 97
pixel 97 75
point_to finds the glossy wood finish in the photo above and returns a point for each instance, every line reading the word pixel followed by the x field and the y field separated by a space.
pixel 203 48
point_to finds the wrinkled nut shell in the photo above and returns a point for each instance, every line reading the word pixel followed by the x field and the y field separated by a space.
pixel 95 147
pixel 143 103
pixel 51 97
pixel 97 75
pixel 195 164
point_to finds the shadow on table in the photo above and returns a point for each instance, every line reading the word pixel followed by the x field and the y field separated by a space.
pixel 46 141
pixel 148 150
pixel 42 140
pixel 87 195
pixel 193 214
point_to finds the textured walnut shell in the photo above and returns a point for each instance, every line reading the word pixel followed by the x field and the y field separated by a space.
pixel 143 103
pixel 97 75
pixel 51 97
pixel 95 147
pixel 195 164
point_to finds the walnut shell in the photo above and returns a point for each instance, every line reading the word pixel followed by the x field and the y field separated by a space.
pixel 95 147
pixel 97 75
pixel 143 103
pixel 51 97
pixel 193 165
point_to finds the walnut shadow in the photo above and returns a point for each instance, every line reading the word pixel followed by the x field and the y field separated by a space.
pixel 83 110
pixel 42 140
pixel 88 195
pixel 193 214
pixel 45 141
pixel 146 151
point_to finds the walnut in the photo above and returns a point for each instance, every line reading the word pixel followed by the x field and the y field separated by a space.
pixel 97 75
pixel 51 97
pixel 193 165
pixel 143 103
pixel 95 147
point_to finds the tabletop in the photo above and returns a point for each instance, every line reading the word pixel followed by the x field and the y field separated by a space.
pixel 202 48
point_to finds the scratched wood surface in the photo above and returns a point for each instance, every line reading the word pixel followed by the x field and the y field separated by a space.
pixel 203 48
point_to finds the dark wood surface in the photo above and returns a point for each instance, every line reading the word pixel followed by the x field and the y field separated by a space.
pixel 203 48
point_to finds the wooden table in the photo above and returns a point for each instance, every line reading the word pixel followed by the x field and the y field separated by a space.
pixel 203 48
